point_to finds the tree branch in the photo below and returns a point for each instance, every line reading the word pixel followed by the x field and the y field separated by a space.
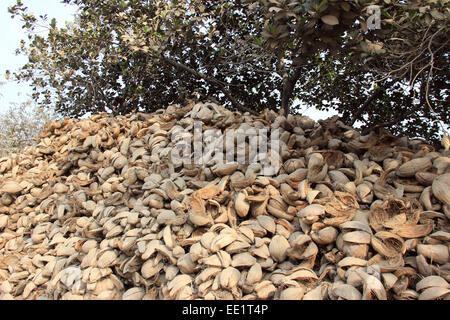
pixel 369 101
pixel 401 117
pixel 205 77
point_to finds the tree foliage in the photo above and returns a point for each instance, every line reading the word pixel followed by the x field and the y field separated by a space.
pixel 340 85
pixel 20 124
pixel 121 56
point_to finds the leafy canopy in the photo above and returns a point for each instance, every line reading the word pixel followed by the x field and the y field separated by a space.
pixel 124 56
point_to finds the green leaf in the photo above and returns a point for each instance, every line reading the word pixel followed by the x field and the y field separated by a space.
pixel 324 2
pixel 259 41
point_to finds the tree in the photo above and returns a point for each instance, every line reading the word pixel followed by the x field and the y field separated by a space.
pixel 94 67
pixel 20 124
pixel 122 56
pixel 340 85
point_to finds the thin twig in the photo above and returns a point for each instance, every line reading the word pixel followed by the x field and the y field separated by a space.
pixel 427 91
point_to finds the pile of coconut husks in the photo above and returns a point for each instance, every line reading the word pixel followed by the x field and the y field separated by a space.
pixel 100 209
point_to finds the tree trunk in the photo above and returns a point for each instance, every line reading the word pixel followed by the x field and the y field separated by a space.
pixel 288 88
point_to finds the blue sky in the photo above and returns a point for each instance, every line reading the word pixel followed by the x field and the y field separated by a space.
pixel 12 33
